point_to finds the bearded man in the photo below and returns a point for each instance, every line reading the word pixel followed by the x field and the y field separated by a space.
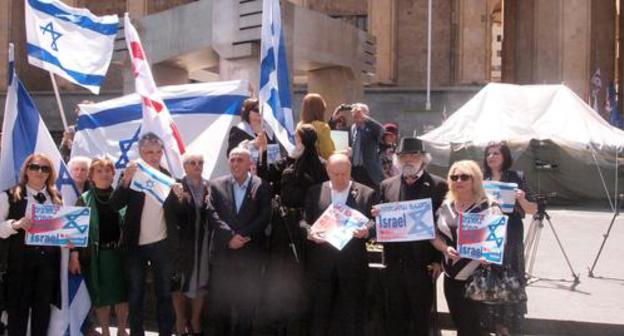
pixel 411 267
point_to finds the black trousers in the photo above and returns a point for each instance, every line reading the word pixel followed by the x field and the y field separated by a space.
pixel 466 313
pixel 337 304
pixel 31 291
pixel 409 298
pixel 235 292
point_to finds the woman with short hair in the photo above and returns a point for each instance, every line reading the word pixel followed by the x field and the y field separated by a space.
pixel 466 195
pixel 101 262
pixel 32 272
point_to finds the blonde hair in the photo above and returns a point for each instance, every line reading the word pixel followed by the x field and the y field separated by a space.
pixel 471 168
pixel 23 179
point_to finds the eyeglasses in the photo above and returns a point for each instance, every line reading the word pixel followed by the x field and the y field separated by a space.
pixel 35 167
pixel 195 163
pixel 461 177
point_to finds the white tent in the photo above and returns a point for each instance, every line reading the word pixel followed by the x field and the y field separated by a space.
pixel 546 126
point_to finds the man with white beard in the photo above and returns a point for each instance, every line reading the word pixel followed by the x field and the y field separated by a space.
pixel 411 267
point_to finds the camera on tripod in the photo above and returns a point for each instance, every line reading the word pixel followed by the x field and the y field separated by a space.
pixel 542 200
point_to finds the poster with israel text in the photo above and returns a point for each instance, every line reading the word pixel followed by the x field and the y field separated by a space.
pixel 405 221
pixel 482 236
pixel 54 225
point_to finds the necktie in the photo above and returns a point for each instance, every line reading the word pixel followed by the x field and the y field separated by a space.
pixel 40 198
pixel 357 147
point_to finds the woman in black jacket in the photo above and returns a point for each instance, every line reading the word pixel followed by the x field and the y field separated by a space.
pixel 290 178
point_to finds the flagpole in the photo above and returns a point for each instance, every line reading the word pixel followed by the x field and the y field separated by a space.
pixel 58 101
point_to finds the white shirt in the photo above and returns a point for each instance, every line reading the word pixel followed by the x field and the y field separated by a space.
pixel 339 197
pixel 5 226
pixel 153 227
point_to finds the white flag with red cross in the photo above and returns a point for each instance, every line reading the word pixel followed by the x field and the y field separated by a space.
pixel 156 116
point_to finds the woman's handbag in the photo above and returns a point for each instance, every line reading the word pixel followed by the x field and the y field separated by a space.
pixel 494 284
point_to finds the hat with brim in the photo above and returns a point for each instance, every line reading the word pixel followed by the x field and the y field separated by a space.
pixel 409 145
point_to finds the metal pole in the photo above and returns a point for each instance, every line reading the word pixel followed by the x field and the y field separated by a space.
pixel 58 101
pixel 428 103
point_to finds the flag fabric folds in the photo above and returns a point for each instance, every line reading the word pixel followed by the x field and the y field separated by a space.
pixel 24 133
pixel 615 118
pixel 151 182
pixel 205 112
pixel 70 42
pixel 274 88
pixel 156 117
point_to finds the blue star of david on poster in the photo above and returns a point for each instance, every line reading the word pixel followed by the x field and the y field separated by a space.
pixel 49 28
pixel 125 146
pixel 492 232
pixel 419 227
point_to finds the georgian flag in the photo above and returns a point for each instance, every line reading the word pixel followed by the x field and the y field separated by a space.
pixel 156 117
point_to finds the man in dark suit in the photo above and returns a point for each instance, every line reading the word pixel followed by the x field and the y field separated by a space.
pixel 365 137
pixel 149 235
pixel 239 209
pixel 412 267
pixel 337 279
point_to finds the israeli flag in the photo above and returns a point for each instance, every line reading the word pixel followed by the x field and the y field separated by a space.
pixel 151 182
pixel 274 94
pixel 70 42
pixel 204 113
pixel 24 133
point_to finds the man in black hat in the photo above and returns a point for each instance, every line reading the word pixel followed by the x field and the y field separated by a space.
pixel 412 267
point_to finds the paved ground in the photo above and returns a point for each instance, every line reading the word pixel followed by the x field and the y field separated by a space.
pixel 593 307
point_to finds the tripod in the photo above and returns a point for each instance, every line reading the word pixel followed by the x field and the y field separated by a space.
pixel 532 240
pixel 605 236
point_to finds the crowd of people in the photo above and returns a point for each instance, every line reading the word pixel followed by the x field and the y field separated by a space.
pixel 238 250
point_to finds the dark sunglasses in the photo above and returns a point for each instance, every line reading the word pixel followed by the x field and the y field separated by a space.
pixel 195 163
pixel 461 177
pixel 36 167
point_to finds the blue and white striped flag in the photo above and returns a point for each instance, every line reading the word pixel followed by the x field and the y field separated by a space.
pixel 24 133
pixel 151 182
pixel 70 42
pixel 274 93
pixel 204 113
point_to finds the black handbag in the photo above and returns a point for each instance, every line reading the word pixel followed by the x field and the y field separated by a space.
pixel 495 285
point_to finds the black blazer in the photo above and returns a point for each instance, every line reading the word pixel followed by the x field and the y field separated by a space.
pixel 323 259
pixel 134 201
pixel 420 253
pixel 250 221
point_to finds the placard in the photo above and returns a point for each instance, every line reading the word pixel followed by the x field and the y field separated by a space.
pixel 405 221
pixel 54 225
pixel 504 194
pixel 337 224
pixel 482 236
pixel 340 139
pixel 273 153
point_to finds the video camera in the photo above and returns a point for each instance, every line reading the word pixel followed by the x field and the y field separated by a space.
pixel 542 200
pixel 345 107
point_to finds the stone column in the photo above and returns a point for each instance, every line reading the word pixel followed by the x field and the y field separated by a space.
pixel 5 38
pixel 337 85
pixel 246 67
pixel 472 57
pixel 382 22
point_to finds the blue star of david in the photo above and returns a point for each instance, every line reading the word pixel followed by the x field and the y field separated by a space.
pixel 65 179
pixel 49 28
pixel 124 147
pixel 419 226
pixel 71 221
pixel 149 184
pixel 492 232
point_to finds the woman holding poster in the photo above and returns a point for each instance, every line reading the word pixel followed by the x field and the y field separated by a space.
pixel 466 195
pixel 497 162
pixel 32 272
pixel 100 261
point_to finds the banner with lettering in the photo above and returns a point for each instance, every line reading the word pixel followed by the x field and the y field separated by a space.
pixel 337 224
pixel 54 225
pixel 504 194
pixel 482 236
pixel 405 221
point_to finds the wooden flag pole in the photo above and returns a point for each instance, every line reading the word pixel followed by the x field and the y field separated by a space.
pixel 58 101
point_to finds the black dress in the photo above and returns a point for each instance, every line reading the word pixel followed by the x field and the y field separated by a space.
pixel 511 315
